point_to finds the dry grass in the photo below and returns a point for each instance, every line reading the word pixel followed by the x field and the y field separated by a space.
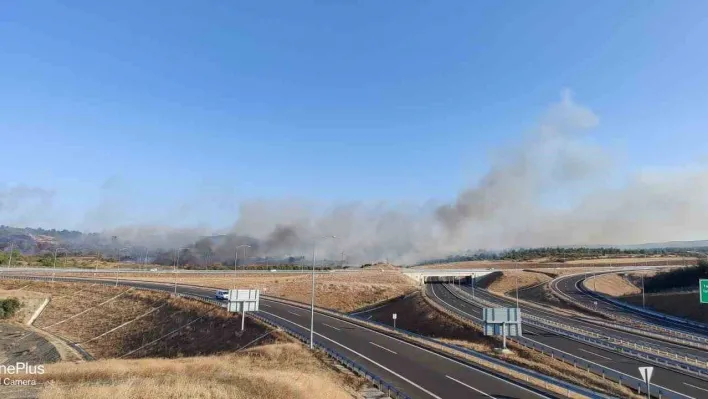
pixel 557 369
pixel 77 313
pixel 612 284
pixel 341 291
pixel 508 281
pixel 30 302
pixel 268 372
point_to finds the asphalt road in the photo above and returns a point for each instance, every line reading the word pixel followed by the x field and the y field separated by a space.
pixel 418 372
pixel 568 286
pixel 590 326
pixel 667 379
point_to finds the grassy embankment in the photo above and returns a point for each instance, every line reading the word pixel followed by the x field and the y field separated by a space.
pixel 148 327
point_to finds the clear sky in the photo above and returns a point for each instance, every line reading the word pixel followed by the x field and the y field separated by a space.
pixel 181 109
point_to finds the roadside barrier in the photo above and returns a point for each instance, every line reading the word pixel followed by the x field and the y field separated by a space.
pixel 578 362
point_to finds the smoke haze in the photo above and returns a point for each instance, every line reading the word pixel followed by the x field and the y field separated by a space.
pixel 550 189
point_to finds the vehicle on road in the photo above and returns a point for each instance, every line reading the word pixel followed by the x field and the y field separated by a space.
pixel 222 295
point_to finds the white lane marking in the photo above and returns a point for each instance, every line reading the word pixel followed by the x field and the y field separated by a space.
pixel 400 341
pixel 331 326
pixel 470 387
pixel 548 346
pixel 386 349
pixel 296 314
pixel 448 304
pixel 263 304
pixel 693 386
pixel 370 310
pixel 593 353
pixel 363 357
pixel 417 348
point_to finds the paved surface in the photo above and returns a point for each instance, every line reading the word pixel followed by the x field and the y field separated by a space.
pixel 416 371
pixel 570 286
pixel 662 378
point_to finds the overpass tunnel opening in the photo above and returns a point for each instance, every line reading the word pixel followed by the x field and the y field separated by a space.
pixel 461 280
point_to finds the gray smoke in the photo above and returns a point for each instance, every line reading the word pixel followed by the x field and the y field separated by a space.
pixel 25 205
pixel 552 188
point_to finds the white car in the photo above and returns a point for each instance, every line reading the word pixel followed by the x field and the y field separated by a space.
pixel 222 295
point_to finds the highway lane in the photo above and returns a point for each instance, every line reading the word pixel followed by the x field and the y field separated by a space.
pixel 568 286
pixel 417 371
pixel 667 379
pixel 596 328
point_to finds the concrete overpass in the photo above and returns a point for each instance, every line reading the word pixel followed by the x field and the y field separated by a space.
pixel 421 276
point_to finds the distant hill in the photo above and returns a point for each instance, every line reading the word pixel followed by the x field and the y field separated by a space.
pixel 669 244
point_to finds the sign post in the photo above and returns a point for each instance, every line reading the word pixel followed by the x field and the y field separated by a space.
pixel 502 321
pixel 646 373
pixel 395 316
pixel 243 301
pixel 704 290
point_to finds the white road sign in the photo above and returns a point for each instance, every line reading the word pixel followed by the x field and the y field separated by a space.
pixel 646 373
pixel 244 300
pixel 395 316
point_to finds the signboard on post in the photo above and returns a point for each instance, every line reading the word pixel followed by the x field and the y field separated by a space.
pixel 243 301
pixel 501 315
pixel 395 316
pixel 502 321
pixel 704 290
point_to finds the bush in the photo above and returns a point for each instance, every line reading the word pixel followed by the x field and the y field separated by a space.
pixel 8 307
pixel 681 278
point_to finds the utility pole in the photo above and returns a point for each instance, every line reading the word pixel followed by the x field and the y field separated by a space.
pixel 644 303
pixel 517 291
pixel 342 265
pixel 9 262
pixel 312 308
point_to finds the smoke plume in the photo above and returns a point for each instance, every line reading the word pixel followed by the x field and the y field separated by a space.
pixel 552 188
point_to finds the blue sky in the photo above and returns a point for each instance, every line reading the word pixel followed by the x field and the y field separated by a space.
pixel 182 109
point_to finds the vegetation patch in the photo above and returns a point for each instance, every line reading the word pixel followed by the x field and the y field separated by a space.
pixel 8 307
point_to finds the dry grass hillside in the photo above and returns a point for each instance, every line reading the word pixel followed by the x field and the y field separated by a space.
pixel 113 321
pixel 270 372
pixel 612 284
pixel 507 281
pixel 134 333
pixel 342 291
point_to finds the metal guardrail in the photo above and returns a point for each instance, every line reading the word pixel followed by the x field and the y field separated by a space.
pixel 355 367
pixel 649 312
pixel 695 341
pixel 451 347
pixel 612 343
pixel 690 343
pixel 578 362
pixel 547 380
pixel 379 383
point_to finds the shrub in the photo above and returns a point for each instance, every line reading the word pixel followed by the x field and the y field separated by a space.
pixel 8 307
